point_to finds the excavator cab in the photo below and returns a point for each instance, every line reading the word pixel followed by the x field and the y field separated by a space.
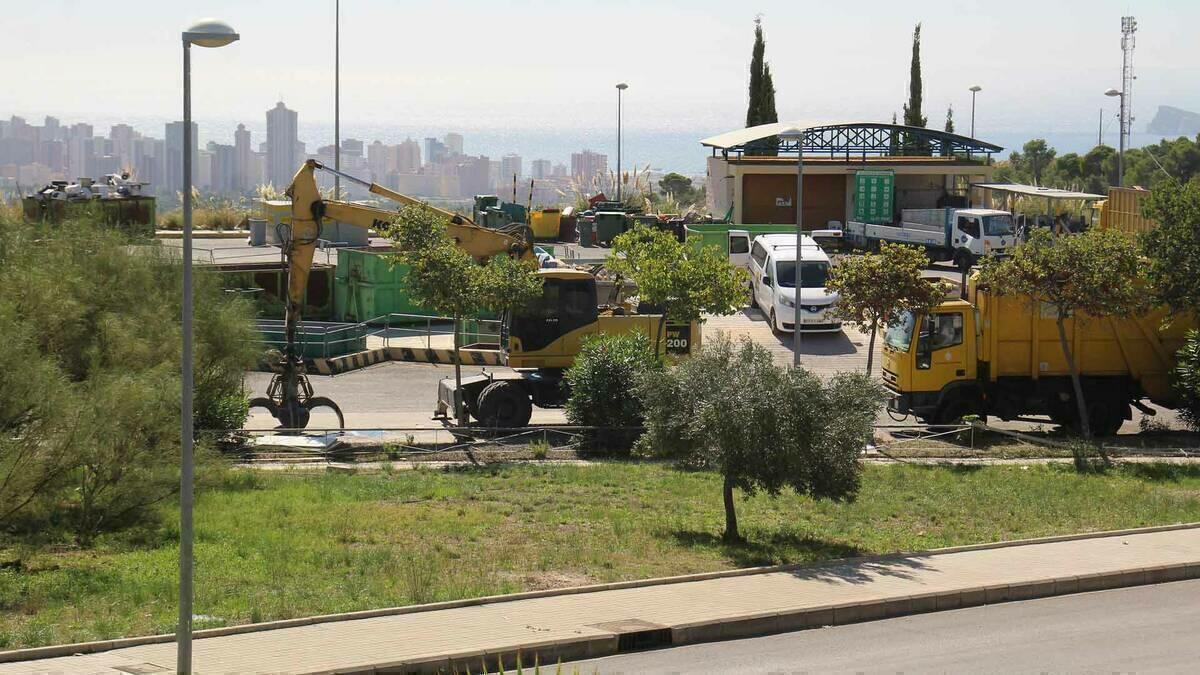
pixel 548 331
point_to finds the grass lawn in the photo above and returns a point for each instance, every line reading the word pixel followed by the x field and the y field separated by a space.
pixel 272 546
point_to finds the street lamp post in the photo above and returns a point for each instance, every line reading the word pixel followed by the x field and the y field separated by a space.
pixel 621 86
pixel 1121 134
pixel 975 89
pixel 796 136
pixel 205 33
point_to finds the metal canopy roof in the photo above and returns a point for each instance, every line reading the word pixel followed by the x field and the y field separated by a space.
pixel 849 138
pixel 1035 191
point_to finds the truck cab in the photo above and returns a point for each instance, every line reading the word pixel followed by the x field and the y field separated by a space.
pixel 978 232
pixel 929 363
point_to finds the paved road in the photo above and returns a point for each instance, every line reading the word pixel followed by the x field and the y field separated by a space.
pixel 1143 629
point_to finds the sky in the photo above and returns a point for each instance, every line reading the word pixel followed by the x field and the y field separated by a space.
pixel 486 64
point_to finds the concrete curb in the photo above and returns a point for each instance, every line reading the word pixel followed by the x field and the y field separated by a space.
pixel 704 631
pixel 202 234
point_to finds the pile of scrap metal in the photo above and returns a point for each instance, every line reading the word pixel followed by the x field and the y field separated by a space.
pixel 114 186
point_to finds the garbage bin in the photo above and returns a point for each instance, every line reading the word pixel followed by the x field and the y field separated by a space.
pixel 258 231
pixel 587 235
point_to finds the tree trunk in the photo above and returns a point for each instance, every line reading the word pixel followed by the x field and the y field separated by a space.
pixel 660 334
pixel 460 411
pixel 731 526
pixel 1080 404
pixel 871 346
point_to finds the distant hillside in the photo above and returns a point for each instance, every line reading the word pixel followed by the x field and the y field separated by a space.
pixel 1170 121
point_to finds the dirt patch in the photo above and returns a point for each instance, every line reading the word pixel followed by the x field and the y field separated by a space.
pixel 542 581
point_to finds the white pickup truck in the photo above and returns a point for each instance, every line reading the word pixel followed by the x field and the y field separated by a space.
pixel 961 235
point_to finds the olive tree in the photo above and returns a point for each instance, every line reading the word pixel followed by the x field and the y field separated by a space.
pixel 445 279
pixel 1090 275
pixel 730 409
pixel 1173 248
pixel 684 282
pixel 875 288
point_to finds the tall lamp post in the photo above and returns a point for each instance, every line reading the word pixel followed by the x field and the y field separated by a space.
pixel 621 86
pixel 1121 150
pixel 975 89
pixel 205 33
pixel 793 135
pixel 337 97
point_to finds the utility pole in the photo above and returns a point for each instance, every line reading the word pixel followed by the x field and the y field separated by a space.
pixel 621 86
pixel 1125 116
pixel 337 97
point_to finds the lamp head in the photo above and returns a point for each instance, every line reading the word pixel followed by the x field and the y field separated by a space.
pixel 1112 92
pixel 622 86
pixel 210 33
pixel 976 88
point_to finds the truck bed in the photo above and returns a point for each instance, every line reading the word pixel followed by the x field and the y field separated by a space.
pixel 916 234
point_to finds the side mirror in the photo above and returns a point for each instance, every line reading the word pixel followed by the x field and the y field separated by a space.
pixel 766 281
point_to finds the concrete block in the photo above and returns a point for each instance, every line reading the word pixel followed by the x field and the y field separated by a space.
pixel 997 593
pixel 925 602
pixel 1066 585
pixel 973 597
pixel 951 600
pixel 815 617
pixel 751 626
pixel 1033 589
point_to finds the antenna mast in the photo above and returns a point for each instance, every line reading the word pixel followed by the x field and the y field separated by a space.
pixel 1128 41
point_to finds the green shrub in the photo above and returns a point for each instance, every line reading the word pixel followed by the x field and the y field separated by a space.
pixel 1187 380
pixel 89 395
pixel 602 382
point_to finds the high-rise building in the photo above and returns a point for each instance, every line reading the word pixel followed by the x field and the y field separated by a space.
pixel 122 136
pixel 224 168
pixel 352 147
pixel 408 157
pixel 474 176
pixel 377 161
pixel 588 164
pixel 436 151
pixel 174 161
pixel 540 169
pixel 52 129
pixel 149 162
pixel 241 159
pixel 454 144
pixel 560 171
pixel 510 165
pixel 284 150
pixel 79 149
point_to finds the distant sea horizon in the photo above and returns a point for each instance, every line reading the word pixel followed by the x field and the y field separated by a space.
pixel 661 150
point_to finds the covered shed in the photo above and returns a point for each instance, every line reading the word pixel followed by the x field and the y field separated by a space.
pixel 852 170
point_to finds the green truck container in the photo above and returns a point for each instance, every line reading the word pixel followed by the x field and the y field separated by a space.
pixel 608 225
pixel 368 286
pixel 717 234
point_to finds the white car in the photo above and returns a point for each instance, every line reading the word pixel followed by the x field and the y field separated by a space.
pixel 773 284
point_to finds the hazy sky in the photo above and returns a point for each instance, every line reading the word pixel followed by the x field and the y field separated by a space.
pixel 1043 65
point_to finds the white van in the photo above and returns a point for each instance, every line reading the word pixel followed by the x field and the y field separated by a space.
pixel 773 284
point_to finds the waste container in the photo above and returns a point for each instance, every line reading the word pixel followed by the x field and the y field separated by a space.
pixel 258 231
pixel 587 235
pixel 608 225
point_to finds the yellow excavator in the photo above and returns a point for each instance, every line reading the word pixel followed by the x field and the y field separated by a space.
pixel 538 342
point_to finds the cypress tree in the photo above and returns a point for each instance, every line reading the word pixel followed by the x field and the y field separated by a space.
pixel 770 145
pixel 894 143
pixel 950 119
pixel 912 109
pixel 754 110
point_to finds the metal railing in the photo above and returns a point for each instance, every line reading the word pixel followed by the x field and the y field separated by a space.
pixel 391 328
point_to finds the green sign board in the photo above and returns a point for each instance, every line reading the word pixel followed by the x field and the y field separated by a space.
pixel 874 194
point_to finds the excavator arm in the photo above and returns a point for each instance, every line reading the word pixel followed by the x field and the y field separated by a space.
pixel 309 209
pixel 290 397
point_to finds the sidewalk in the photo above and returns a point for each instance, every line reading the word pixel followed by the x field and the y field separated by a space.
pixel 603 620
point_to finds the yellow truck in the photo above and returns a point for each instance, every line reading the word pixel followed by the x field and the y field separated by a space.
pixel 1001 356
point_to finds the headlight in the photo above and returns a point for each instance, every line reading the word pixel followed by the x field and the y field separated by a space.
pixel 786 301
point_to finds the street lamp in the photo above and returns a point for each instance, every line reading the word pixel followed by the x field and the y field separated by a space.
pixel 795 136
pixel 975 89
pixel 621 86
pixel 1121 134
pixel 205 33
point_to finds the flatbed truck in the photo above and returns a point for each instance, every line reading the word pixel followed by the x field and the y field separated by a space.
pixel 960 235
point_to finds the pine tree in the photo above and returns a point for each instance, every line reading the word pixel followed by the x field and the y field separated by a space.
pixel 950 119
pixel 894 144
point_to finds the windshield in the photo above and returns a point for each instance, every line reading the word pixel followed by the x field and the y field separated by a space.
pixel 812 274
pixel 998 226
pixel 899 334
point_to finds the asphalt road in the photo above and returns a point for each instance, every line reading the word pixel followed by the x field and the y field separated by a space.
pixel 1143 629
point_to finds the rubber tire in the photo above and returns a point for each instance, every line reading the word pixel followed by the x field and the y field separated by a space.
pixel 1106 417
pixel 753 298
pixel 950 414
pixel 964 261
pixel 504 405
pixel 774 324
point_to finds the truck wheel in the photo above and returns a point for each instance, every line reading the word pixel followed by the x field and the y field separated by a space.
pixel 951 414
pixel 774 324
pixel 1106 417
pixel 504 405
pixel 963 261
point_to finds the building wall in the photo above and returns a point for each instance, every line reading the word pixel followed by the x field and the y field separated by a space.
pixel 917 186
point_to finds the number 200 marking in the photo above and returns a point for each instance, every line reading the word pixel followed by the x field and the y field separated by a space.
pixel 677 343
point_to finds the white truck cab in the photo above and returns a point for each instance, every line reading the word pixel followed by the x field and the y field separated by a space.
pixel 774 287
pixel 961 235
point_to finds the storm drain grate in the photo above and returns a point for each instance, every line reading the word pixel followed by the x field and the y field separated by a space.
pixel 635 634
